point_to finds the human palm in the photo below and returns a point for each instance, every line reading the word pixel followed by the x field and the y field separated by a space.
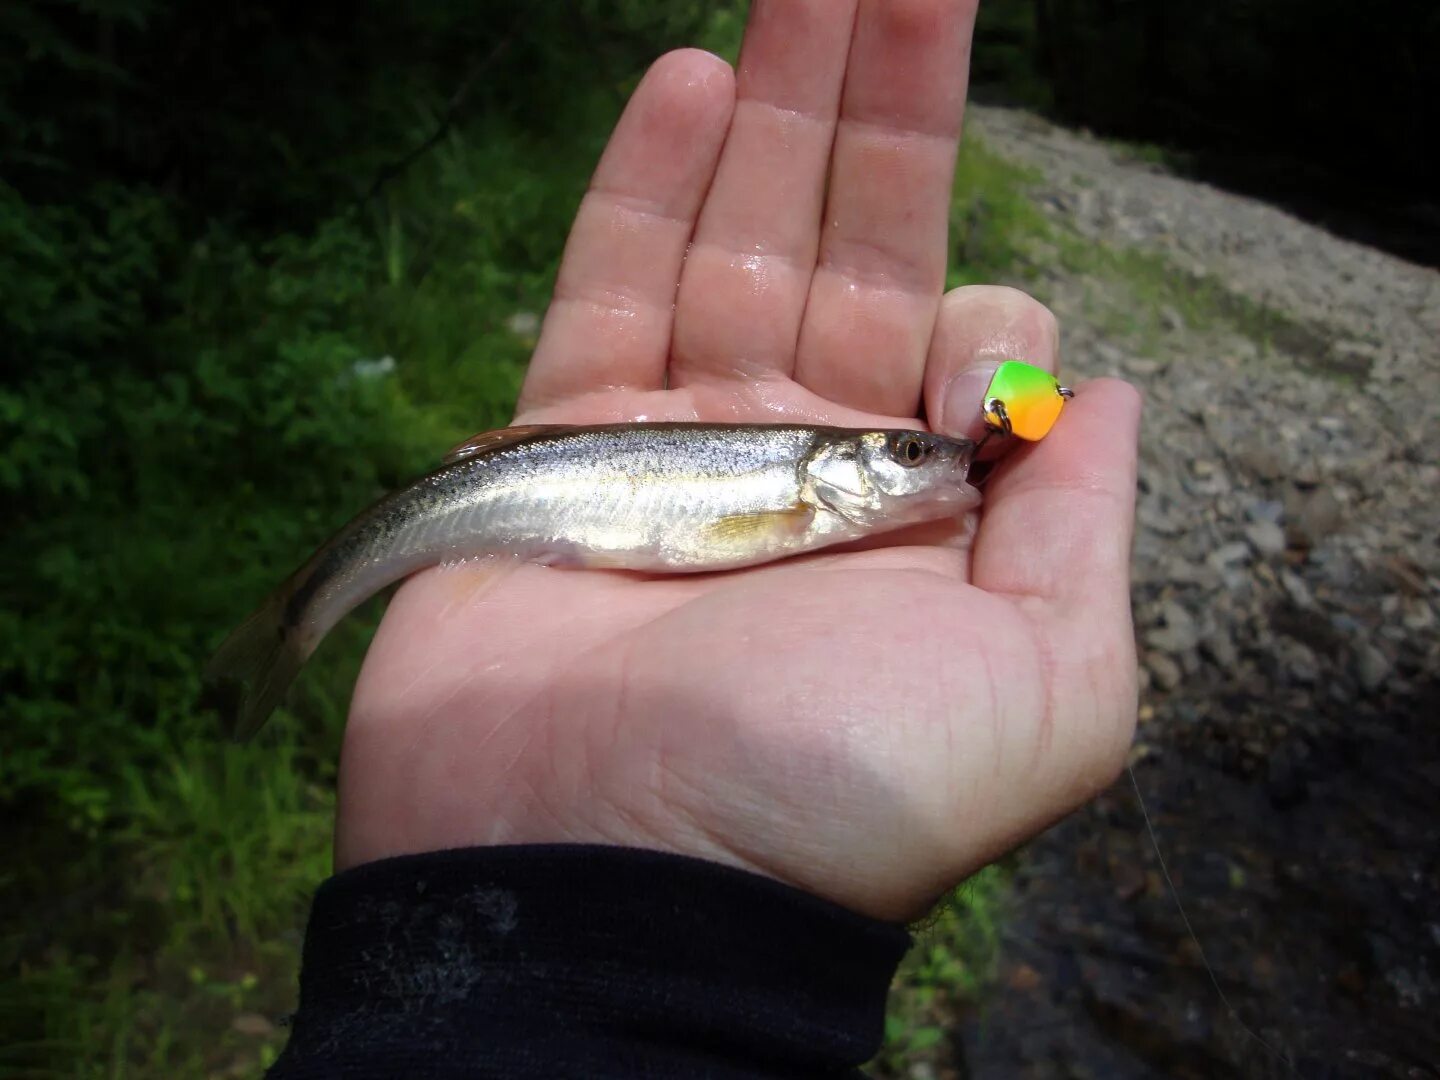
pixel 870 725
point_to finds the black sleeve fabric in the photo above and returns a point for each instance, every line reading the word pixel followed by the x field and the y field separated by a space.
pixel 583 961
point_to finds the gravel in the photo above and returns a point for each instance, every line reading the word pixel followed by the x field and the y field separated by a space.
pixel 1286 582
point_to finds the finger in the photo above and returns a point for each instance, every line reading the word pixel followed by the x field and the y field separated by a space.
pixel 1058 516
pixel 610 320
pixel 747 274
pixel 978 327
pixel 881 267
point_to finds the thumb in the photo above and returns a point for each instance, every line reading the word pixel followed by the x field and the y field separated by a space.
pixel 1059 514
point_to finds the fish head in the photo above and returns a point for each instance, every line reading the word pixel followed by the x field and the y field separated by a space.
pixel 875 477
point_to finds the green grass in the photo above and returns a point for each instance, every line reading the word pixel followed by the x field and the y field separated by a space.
pixel 1133 293
pixel 991 217
pixel 943 975
pixel 999 234
pixel 153 900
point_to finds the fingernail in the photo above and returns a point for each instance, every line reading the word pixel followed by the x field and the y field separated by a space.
pixel 961 404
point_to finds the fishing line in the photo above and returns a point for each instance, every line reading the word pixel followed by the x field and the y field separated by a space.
pixel 1189 929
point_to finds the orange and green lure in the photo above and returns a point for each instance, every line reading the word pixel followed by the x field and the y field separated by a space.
pixel 1024 400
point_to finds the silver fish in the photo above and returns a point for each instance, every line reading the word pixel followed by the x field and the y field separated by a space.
pixel 666 498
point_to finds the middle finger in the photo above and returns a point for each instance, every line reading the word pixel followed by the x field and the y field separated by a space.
pixel 748 270
pixel 881 267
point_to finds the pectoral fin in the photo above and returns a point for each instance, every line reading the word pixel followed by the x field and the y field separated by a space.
pixel 761 525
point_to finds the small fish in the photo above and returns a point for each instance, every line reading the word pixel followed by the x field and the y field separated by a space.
pixel 666 498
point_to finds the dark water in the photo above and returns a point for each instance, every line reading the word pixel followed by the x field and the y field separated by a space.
pixel 1304 842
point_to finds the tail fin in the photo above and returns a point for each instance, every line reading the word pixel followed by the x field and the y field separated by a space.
pixel 250 672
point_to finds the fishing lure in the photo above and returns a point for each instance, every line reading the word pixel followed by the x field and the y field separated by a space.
pixel 1023 400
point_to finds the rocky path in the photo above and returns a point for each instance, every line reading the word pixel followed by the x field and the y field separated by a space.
pixel 1286 587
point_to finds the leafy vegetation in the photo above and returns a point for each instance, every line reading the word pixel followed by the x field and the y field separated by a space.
pixel 943 975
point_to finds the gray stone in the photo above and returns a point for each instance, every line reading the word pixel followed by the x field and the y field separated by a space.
pixel 1372 667
pixel 1142 367
pixel 1266 537
pixel 1178 632
pixel 1299 660
pixel 1164 672
pixel 1418 616
pixel 1272 510
pixel 1220 646
pixel 1236 551
pixel 1298 590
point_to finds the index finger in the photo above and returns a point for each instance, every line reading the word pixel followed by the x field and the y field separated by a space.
pixel 610 321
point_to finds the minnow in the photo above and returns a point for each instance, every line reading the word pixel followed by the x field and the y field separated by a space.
pixel 660 498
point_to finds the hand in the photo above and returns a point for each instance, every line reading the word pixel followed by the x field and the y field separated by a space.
pixel 873 725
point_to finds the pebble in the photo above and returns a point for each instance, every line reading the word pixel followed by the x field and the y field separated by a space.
pixel 1271 510
pixel 1142 367
pixel 1266 537
pixel 1313 516
pixel 1220 646
pixel 1237 551
pixel 252 1024
pixel 1419 616
pixel 1178 632
pixel 1164 672
pixel 523 324
pixel 1299 660
pixel 1372 667
pixel 1297 589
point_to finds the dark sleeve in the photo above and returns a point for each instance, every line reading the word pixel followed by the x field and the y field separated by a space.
pixel 573 960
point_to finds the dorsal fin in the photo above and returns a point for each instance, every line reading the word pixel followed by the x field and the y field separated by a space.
pixel 483 441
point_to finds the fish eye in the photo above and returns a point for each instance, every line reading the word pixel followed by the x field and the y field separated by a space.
pixel 911 450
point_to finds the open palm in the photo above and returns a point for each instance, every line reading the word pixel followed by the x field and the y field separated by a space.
pixel 869 725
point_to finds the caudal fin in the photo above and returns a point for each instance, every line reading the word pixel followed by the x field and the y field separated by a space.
pixel 250 672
